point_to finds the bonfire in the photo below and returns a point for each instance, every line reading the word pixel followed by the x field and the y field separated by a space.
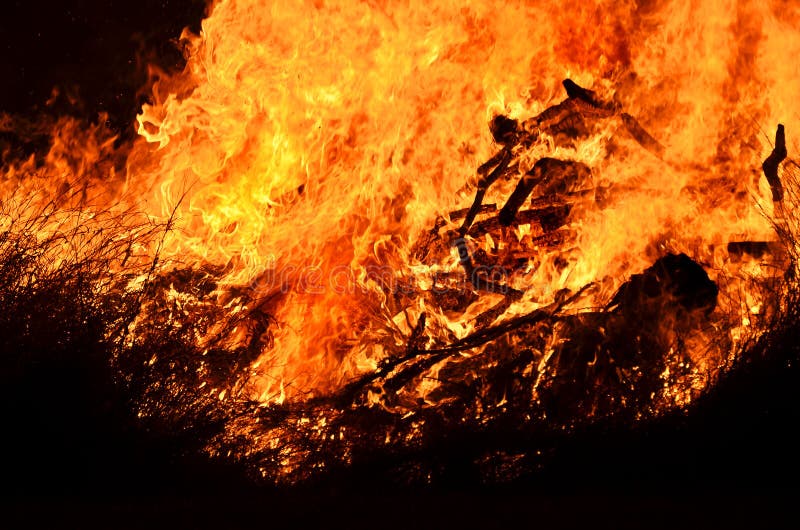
pixel 352 236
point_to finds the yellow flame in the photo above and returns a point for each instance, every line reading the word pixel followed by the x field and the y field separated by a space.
pixel 310 144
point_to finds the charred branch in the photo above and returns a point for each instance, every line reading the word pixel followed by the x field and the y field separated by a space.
pixel 478 280
pixel 550 218
pixel 566 120
pixel 394 375
pixel 574 91
pixel 567 199
pixel 488 316
pixel 641 136
pixel 755 249
pixel 462 213
pixel 500 169
pixel 522 191
pixel 504 129
pixel 417 340
pixel 483 336
pixel 556 175
pixel 770 165
pixel 423 246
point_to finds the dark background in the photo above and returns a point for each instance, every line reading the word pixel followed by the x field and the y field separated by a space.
pixel 76 450
pixel 94 51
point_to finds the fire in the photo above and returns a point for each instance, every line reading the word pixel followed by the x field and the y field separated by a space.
pixel 309 148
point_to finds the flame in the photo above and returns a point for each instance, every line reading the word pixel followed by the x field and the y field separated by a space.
pixel 309 146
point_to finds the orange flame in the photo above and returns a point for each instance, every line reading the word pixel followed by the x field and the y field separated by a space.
pixel 308 145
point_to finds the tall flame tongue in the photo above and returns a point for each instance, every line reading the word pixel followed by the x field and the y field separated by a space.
pixel 316 154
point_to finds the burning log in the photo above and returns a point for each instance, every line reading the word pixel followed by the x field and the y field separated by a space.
pixel 562 121
pixel 553 174
pixel 773 161
pixel 555 178
pixel 396 372
pixel 641 135
pixel 675 275
pixel 550 218
pixel 524 188
pixel 500 169
pixel 567 117
pixel 504 129
pixel 423 246
pixel 755 249
pixel 476 279
pixel 615 357
pixel 462 213
pixel 552 239
pixel 597 195
pixel 631 124
pixel 588 96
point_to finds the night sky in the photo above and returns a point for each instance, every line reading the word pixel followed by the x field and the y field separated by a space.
pixel 95 51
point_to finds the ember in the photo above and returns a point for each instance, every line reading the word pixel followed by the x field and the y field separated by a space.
pixel 316 251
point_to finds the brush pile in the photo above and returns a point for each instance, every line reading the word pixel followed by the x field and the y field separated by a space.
pixel 500 398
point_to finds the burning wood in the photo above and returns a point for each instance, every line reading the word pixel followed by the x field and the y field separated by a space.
pixel 594 368
pixel 566 121
pixel 641 135
pixel 495 167
pixel 754 249
pixel 554 176
pixel 477 278
pixel 605 108
pixel 772 163
pixel 550 219
pixel 342 310
pixel 395 373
